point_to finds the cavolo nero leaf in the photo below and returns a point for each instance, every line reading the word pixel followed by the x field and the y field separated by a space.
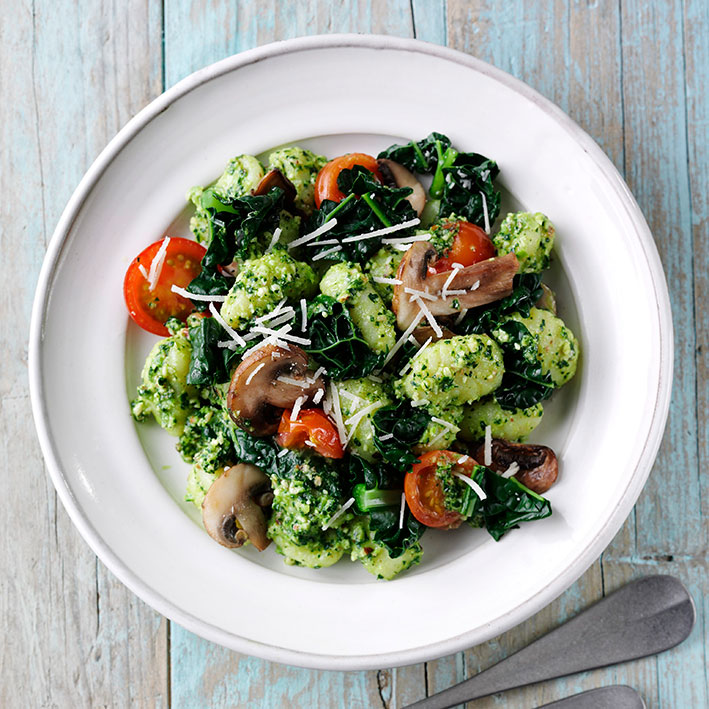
pixel 526 292
pixel 368 206
pixel 335 341
pixel 508 503
pixel 459 179
pixel 210 363
pixel 233 227
pixel 523 383
pixel 406 425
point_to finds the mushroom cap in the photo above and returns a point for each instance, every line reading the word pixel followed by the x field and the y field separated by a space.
pixel 256 396
pixel 232 509
pixel 483 282
pixel 275 178
pixel 396 174
pixel 538 466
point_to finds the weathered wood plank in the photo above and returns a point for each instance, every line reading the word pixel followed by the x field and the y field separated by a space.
pixel 656 160
pixel 72 74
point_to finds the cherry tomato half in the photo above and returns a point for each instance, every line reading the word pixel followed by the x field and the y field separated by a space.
pixel 151 308
pixel 326 181
pixel 470 245
pixel 310 425
pixel 424 494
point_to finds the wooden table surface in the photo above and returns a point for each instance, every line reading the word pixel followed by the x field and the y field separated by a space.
pixel 72 72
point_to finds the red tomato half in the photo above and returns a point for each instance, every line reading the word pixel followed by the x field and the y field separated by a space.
pixel 326 181
pixel 310 425
pixel 424 494
pixel 151 308
pixel 470 245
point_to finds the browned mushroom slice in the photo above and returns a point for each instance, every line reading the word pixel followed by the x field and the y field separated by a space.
pixel 483 282
pixel 275 178
pixel 538 466
pixel 397 175
pixel 547 300
pixel 266 382
pixel 232 511
pixel 425 331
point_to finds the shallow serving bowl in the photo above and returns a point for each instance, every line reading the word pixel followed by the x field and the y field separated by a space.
pixel 123 485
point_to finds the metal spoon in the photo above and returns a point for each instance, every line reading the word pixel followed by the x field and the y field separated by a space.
pixel 642 618
pixel 617 696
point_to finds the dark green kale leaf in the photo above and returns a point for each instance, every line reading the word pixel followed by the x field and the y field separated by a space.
pixel 233 227
pixel 335 341
pixel 458 178
pixel 508 503
pixel 465 182
pixel 262 452
pixel 526 292
pixel 523 383
pixel 368 206
pixel 427 157
pixel 210 363
pixel 384 522
pixel 407 424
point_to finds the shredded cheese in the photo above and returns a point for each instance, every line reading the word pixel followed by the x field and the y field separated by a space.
pixel 318 396
pixel 274 312
pixel 197 296
pixel 157 264
pixel 142 269
pixel 227 345
pixel 303 314
pixel 337 411
pixel 457 265
pixel 488 446
pixel 402 509
pixel 420 293
pixel 296 407
pixel 313 234
pixel 418 354
pixel 429 316
pixel 419 402
pixel 402 247
pixel 283 452
pixel 282 333
pixel 318 372
pixel 274 239
pixel 309 443
pixel 400 342
pixel 407 239
pixel 255 371
pixel 375 378
pixel 512 470
pixel 327 252
pixel 354 420
pixel 234 334
pixel 461 315
pixel 338 514
pixel 449 280
pixel 463 459
pixel 485 214
pixel 471 483
pixel 295 382
pixel 387 281
pixel 381 232
pixel 446 424
pixel 386 437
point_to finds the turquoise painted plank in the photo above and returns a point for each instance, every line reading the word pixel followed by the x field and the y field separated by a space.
pixel 197 34
pixel 430 20
pixel 656 170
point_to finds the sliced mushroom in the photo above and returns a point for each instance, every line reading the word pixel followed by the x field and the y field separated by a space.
pixel 547 300
pixel 397 175
pixel 425 331
pixel 483 282
pixel 258 393
pixel 232 511
pixel 538 466
pixel 275 178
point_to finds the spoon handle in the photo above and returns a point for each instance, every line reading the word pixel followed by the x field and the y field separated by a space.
pixel 642 618
pixel 617 696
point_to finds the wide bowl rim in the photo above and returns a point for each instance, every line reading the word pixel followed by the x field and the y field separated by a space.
pixel 516 615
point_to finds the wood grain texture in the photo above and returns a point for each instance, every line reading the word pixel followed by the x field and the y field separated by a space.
pixel 633 74
pixel 72 74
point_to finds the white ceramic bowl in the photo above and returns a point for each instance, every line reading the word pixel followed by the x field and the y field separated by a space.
pixel 123 485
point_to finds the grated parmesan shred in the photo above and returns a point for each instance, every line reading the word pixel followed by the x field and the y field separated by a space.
pixel 488 446
pixel 429 316
pixel 296 407
pixel 157 263
pixel 255 371
pixel 234 334
pixel 197 296
pixel 381 232
pixel 485 214
pixel 400 342
pixel 472 484
pixel 402 509
pixel 274 239
pixel 313 234
pixel 338 514
pixel 512 470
